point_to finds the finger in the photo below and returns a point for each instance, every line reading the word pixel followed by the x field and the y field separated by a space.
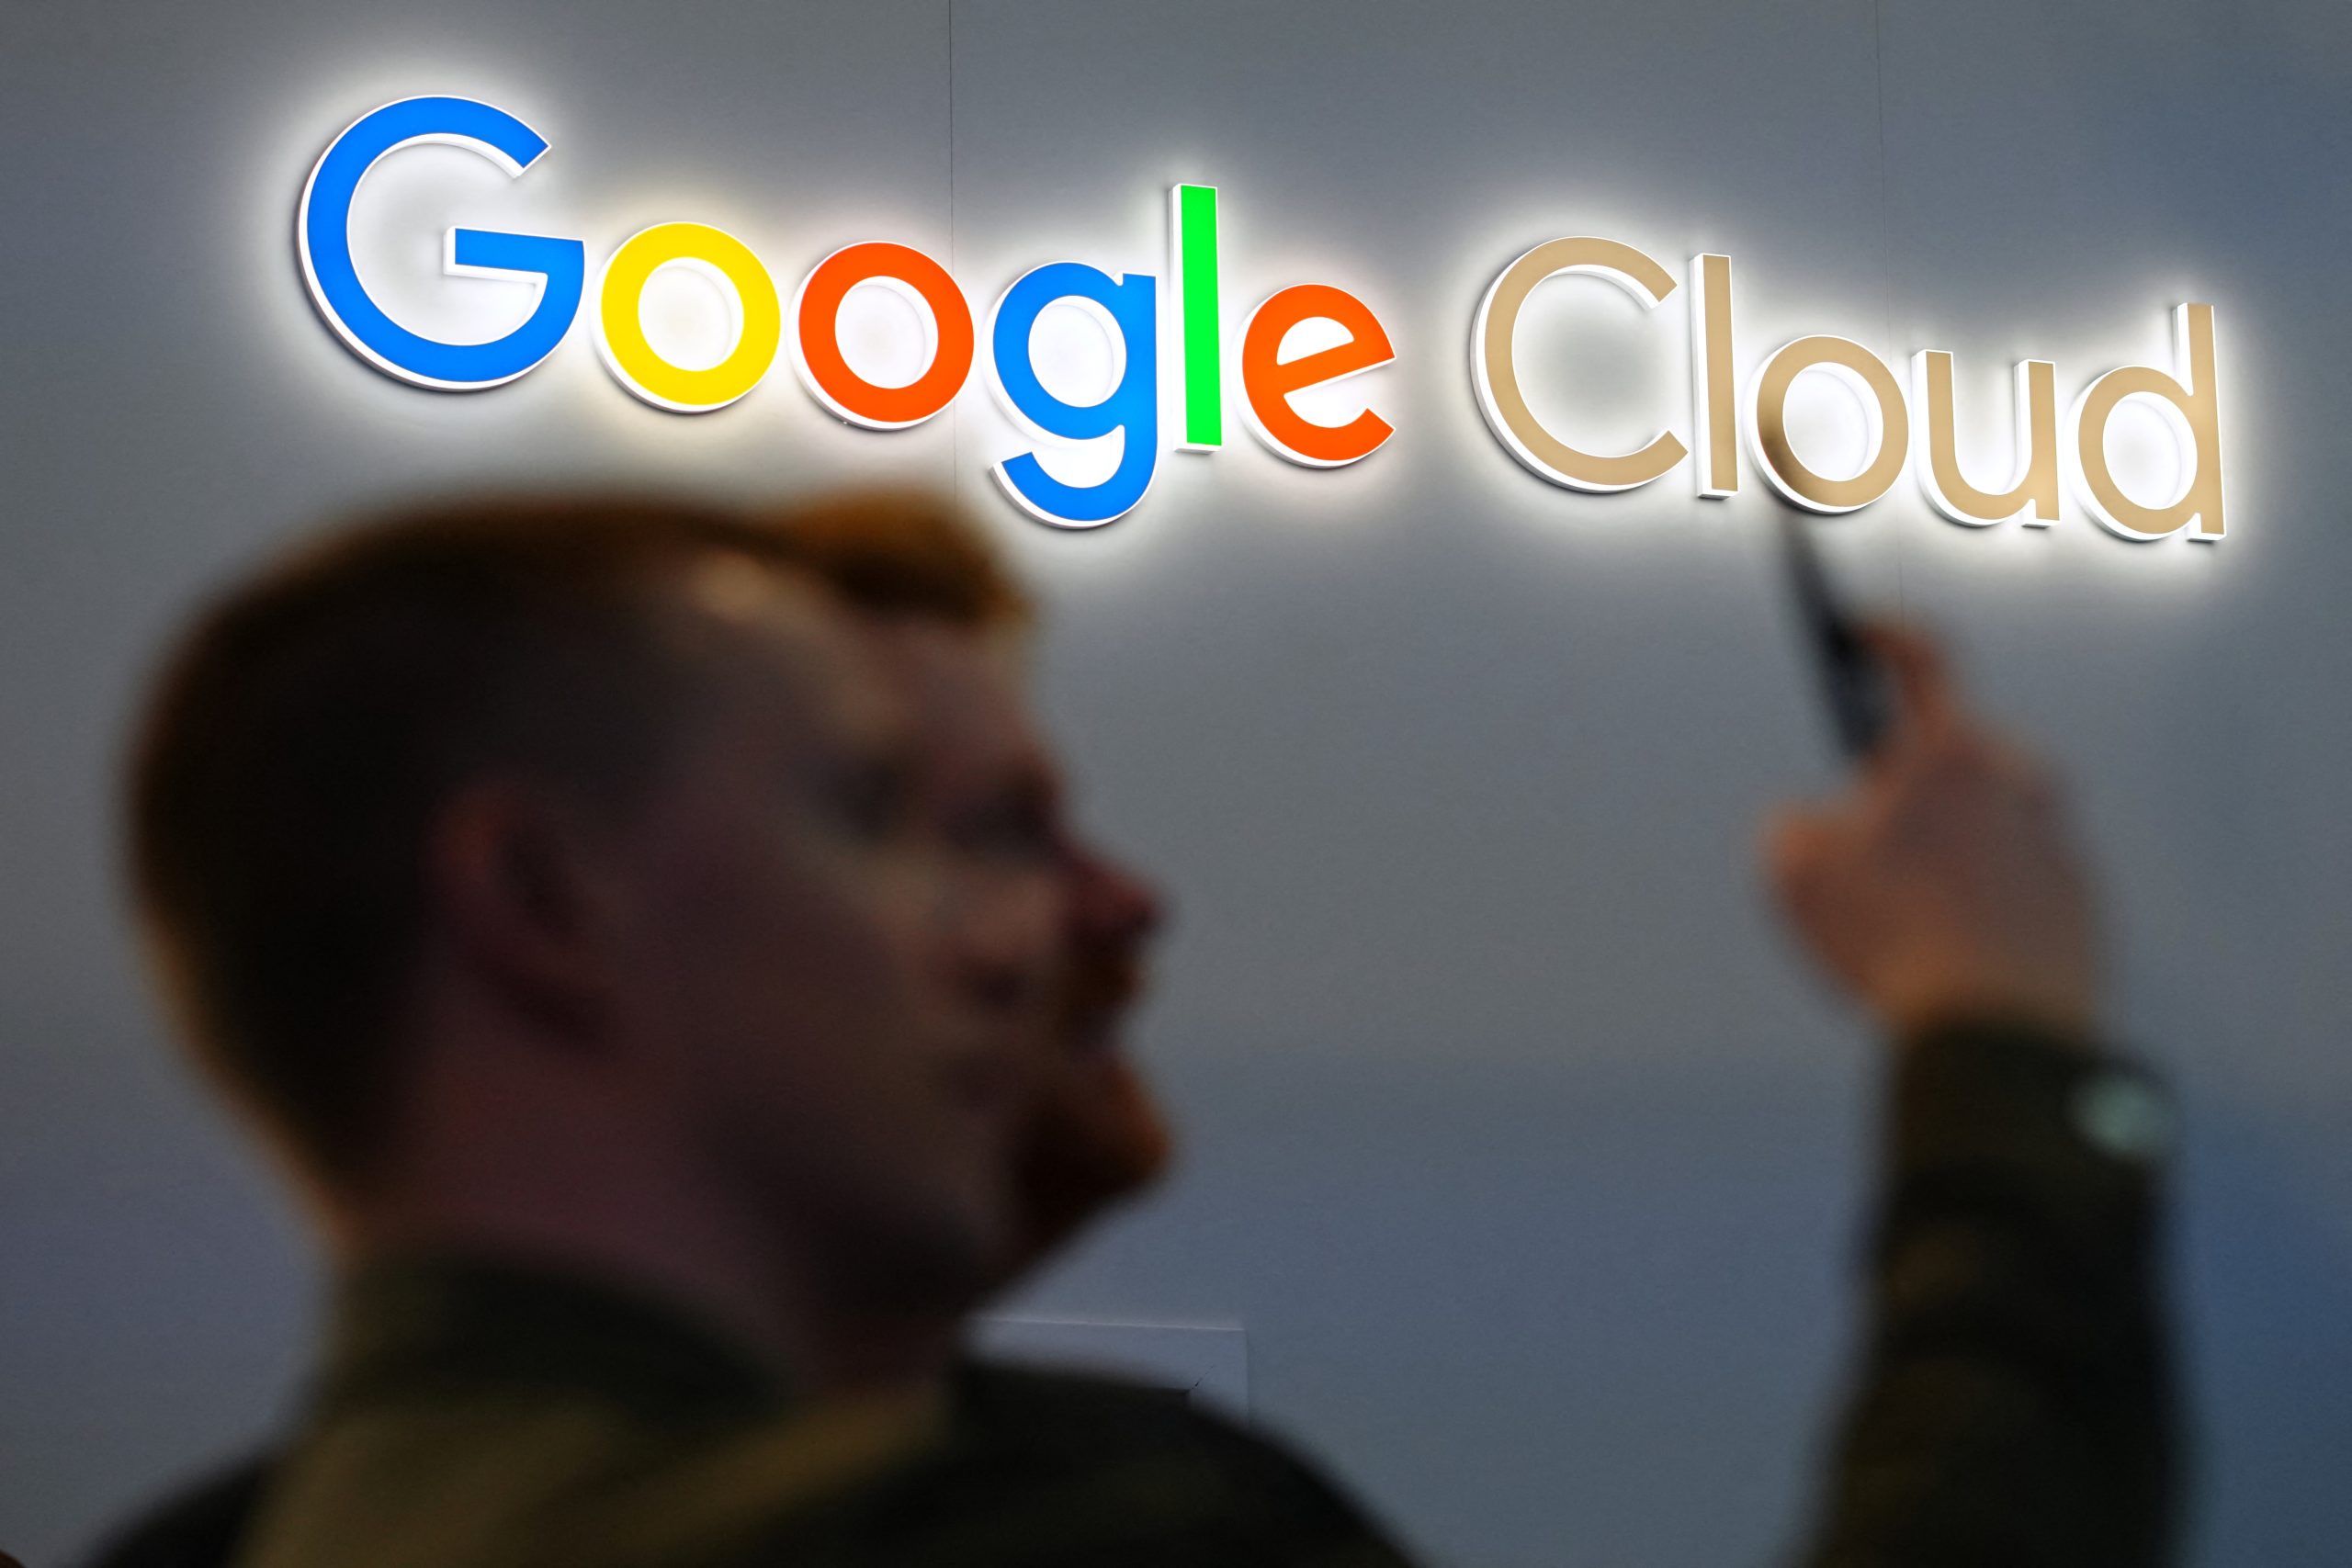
pixel 1926 694
pixel 2018 768
pixel 1970 748
pixel 1795 840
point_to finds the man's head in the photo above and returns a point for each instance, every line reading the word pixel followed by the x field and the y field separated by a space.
pixel 480 818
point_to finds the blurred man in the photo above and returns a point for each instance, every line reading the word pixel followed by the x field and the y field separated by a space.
pixel 940 624
pixel 543 1355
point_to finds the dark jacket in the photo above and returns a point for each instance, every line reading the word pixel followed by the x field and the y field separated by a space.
pixel 2012 1406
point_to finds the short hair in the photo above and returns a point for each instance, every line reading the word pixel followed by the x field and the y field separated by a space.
pixel 307 728
pixel 911 554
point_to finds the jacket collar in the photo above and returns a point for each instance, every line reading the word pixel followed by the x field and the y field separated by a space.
pixel 447 1323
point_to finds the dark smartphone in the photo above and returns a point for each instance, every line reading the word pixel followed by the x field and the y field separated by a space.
pixel 1851 677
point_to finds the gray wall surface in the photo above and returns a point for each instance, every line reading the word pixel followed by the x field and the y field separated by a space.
pixel 1525 1153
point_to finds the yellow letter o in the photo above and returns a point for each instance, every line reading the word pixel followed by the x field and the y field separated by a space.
pixel 620 328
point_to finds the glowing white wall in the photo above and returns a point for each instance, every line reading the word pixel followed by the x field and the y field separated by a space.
pixel 1525 1155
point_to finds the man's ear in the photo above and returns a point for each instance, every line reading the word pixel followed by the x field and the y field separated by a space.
pixel 521 883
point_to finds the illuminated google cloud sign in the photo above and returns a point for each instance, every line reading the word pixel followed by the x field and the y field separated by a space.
pixel 1909 426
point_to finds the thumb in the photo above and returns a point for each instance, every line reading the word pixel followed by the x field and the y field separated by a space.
pixel 1795 840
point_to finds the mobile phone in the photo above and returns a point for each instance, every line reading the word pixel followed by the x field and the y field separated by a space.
pixel 1852 679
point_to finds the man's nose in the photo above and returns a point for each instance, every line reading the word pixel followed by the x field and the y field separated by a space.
pixel 1112 902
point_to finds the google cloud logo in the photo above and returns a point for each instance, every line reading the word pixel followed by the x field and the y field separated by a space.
pixel 1180 329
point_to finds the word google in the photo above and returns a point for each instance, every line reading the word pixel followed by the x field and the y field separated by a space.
pixel 1911 426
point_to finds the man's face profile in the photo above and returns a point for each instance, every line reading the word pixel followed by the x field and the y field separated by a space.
pixel 987 788
pixel 842 1011
pixel 861 849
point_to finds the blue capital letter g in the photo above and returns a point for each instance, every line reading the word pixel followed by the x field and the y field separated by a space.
pixel 322 232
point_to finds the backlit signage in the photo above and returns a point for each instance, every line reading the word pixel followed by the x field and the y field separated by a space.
pixel 1187 335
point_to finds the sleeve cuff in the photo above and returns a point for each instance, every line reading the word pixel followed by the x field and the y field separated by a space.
pixel 2043 1136
pixel 1995 1090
